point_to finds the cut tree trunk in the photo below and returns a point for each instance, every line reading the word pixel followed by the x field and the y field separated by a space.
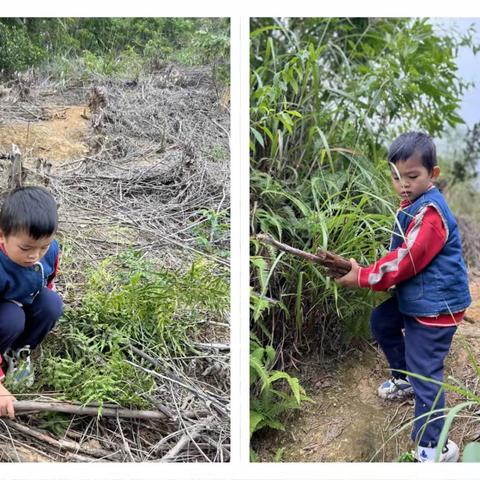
pixel 336 265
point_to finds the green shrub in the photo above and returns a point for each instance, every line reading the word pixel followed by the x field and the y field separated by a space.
pixel 113 46
pixel 17 51
pixel 129 301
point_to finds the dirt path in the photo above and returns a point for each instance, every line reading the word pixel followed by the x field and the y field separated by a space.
pixel 348 422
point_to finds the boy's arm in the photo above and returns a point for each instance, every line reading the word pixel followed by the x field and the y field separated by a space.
pixel 51 278
pixel 6 398
pixel 56 262
pixel 424 238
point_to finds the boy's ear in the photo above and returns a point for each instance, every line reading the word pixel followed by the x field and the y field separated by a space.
pixel 435 172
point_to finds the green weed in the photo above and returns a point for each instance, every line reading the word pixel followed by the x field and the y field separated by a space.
pixel 129 301
pixel 275 392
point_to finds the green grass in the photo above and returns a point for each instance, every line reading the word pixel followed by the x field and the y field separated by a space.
pixel 129 301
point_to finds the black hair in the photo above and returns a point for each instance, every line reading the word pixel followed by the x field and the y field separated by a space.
pixel 32 210
pixel 412 143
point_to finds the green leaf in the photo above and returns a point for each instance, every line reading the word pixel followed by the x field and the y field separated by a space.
pixel 279 455
pixel 471 452
pixel 255 419
pixel 292 381
pixel 260 370
pixel 271 353
pixel 274 423
pixel 446 426
pixel 258 136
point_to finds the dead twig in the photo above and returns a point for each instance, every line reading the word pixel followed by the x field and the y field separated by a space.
pixel 61 444
pixel 336 265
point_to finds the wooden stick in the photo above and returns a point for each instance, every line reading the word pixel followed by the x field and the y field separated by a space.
pixel 24 406
pixel 336 264
pixel 62 444
pixel 185 439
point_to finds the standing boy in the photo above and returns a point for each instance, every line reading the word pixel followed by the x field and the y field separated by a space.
pixel 29 307
pixel 415 326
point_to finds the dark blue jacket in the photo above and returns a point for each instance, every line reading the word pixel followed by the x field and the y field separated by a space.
pixel 442 286
pixel 21 284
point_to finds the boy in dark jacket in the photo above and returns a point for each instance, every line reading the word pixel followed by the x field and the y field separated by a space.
pixel 415 326
pixel 29 307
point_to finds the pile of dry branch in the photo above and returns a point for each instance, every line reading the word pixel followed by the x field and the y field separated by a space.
pixel 156 155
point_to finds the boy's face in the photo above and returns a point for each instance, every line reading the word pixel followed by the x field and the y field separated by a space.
pixel 22 249
pixel 410 178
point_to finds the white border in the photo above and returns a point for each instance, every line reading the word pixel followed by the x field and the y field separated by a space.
pixel 264 471
pixel 236 238
pixel 246 8
pixel 243 266
pixel 239 468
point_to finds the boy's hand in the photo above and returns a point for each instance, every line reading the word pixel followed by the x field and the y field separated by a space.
pixel 351 278
pixel 6 403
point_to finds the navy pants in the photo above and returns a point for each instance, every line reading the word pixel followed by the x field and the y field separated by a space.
pixel 422 350
pixel 29 325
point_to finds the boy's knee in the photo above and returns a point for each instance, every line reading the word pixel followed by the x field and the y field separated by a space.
pixel 51 305
pixel 12 320
pixel 54 306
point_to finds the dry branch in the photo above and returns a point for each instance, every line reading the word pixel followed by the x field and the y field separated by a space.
pixel 336 265
pixel 186 438
pixel 62 444
pixel 17 172
pixel 23 406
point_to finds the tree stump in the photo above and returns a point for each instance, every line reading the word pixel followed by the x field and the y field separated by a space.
pixel 17 173
pixel 97 102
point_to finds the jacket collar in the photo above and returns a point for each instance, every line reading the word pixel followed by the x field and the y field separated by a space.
pixel 406 202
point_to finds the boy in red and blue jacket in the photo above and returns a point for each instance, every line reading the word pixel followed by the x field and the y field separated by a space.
pixel 415 326
pixel 29 307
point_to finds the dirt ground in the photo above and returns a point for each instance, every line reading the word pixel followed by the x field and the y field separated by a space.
pixel 60 135
pixel 348 422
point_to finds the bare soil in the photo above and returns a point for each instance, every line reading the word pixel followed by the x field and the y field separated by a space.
pixel 62 135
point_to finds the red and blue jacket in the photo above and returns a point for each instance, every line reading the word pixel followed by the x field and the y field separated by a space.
pixel 20 284
pixel 424 263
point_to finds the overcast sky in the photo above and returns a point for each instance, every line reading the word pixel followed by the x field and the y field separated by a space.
pixel 468 67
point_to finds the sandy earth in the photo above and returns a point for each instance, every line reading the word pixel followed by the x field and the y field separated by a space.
pixel 348 422
pixel 62 136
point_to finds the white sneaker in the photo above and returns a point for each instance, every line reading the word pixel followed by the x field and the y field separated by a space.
pixel 395 389
pixel 450 453
pixel 20 368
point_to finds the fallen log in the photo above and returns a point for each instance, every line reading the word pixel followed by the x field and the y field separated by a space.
pixel 25 406
pixel 336 265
